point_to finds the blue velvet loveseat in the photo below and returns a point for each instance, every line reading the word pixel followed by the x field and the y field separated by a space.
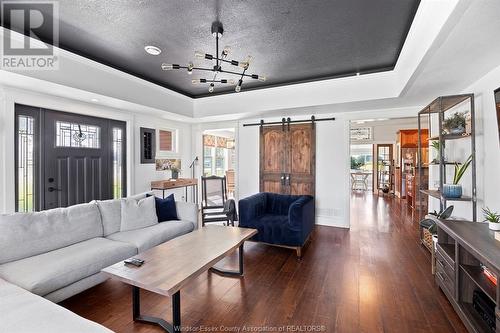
pixel 284 220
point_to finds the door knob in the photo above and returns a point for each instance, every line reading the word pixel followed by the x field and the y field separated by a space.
pixel 282 179
pixel 52 189
pixel 287 180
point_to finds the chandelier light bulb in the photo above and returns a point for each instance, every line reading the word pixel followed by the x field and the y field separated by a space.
pixel 238 86
pixel 199 54
pixel 167 67
pixel 211 88
pixel 190 68
pixel 231 81
pixel 226 50
pixel 195 81
pixel 262 78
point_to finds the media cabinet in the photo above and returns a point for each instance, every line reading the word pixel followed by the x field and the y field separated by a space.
pixel 461 249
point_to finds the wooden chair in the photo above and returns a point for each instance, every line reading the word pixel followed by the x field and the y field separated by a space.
pixel 230 181
pixel 214 197
pixel 359 178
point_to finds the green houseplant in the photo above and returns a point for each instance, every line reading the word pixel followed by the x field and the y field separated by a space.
pixel 175 172
pixel 455 124
pixel 454 190
pixel 435 145
pixel 492 217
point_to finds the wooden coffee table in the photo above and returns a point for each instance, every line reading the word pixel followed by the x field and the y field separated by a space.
pixel 170 266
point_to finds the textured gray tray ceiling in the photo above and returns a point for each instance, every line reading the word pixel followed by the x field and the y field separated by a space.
pixel 290 40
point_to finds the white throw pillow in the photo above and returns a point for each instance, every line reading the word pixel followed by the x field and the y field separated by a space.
pixel 138 214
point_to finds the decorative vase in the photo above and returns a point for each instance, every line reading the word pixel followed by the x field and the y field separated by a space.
pixel 452 191
pixel 175 174
pixel 456 130
pixel 494 226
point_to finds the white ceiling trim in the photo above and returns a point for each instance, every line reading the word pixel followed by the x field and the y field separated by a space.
pixel 431 16
pixel 83 79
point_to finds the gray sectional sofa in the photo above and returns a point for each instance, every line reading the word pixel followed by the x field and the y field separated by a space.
pixel 60 252
pixel 24 312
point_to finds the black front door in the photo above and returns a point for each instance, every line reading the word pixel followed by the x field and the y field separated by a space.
pixel 76 159
pixel 81 158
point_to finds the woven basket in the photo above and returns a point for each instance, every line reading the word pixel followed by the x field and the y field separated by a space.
pixel 427 239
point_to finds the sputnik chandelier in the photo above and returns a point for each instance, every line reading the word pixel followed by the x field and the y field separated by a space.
pixel 217 31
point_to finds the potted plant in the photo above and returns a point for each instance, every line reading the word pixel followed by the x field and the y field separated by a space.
pixel 493 218
pixel 175 172
pixel 435 145
pixel 455 124
pixel 454 190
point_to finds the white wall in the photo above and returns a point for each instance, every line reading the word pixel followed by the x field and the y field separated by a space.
pixel 487 143
pixel 138 175
pixel 145 173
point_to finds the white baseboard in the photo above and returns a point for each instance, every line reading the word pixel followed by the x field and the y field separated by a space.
pixel 332 222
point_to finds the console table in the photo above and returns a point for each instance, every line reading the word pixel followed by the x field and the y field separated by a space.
pixel 461 249
pixel 170 184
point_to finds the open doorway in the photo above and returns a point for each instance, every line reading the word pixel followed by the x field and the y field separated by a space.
pixel 384 158
pixel 219 156
pixel 361 167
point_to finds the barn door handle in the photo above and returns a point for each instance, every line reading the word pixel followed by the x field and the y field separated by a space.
pixel 287 180
pixel 52 189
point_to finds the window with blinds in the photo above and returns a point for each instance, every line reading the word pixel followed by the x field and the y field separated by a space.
pixel 166 141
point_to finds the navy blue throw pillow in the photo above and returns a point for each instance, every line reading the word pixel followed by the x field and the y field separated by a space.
pixel 165 208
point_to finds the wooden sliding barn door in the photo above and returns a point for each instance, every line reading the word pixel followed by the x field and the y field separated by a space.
pixel 288 159
pixel 302 159
pixel 272 158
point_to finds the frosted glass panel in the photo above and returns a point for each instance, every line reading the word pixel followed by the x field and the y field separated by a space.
pixel 25 173
pixel 77 135
pixel 117 163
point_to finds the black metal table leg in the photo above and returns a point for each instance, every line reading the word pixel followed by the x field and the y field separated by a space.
pixel 196 191
pixel 176 312
pixel 227 272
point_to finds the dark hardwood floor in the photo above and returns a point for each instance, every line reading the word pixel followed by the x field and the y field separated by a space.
pixel 374 277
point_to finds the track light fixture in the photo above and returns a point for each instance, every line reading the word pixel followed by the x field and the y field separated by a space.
pixel 217 31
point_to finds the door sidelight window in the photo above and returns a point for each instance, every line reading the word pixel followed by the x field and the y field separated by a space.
pixel 25 163
pixel 117 163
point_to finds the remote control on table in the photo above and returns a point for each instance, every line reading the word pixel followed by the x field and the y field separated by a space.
pixel 134 261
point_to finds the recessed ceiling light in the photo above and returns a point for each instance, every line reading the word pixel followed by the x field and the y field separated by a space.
pixel 94 100
pixel 153 50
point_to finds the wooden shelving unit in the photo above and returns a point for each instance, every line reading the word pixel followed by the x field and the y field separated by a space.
pixel 451 136
pixel 461 250
pixel 476 274
pixel 437 194
pixel 449 250
pixel 439 107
